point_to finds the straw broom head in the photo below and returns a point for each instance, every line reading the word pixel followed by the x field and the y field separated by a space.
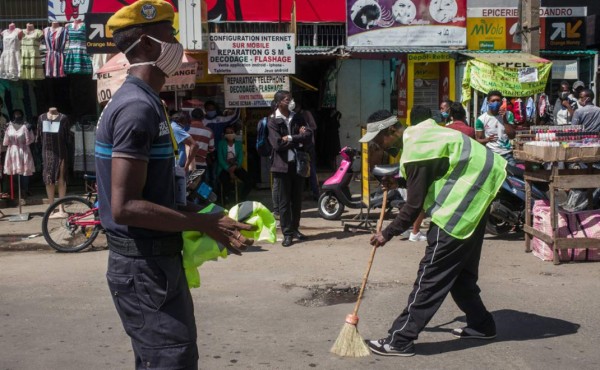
pixel 349 343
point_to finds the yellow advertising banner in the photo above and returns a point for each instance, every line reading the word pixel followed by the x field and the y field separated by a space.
pixel 364 178
pixel 485 76
pixel 486 33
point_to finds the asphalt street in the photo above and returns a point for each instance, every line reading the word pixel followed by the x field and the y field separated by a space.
pixel 257 311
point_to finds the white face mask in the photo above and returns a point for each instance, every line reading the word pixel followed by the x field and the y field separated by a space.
pixel 292 105
pixel 169 59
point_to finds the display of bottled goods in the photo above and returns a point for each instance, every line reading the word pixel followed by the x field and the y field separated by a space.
pixel 567 136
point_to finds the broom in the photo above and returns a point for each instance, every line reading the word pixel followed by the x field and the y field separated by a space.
pixel 349 343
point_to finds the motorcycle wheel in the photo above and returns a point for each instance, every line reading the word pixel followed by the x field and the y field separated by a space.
pixel 330 207
pixel 496 226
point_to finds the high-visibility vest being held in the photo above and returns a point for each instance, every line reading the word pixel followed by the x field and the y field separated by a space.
pixel 457 201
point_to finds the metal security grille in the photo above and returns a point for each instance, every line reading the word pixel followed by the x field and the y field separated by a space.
pixel 308 34
pixel 21 12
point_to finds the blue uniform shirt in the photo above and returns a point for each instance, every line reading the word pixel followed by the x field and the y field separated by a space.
pixel 133 125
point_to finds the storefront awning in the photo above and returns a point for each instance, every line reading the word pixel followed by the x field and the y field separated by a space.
pixel 318 50
pixel 513 74
pixel 395 50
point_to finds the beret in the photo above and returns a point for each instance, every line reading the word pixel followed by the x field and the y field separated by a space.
pixel 141 12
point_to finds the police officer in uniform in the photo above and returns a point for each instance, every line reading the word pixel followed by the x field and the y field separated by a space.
pixel 140 207
pixel 454 179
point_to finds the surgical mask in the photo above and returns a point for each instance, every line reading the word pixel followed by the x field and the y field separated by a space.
pixel 494 107
pixel 211 114
pixel 583 101
pixel 169 59
pixel 564 95
pixel 445 115
pixel 292 105
pixel 230 137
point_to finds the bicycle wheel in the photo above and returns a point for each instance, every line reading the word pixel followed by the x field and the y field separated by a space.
pixel 73 227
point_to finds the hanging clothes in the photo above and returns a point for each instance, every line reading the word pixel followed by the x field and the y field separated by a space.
pixel 77 60
pixel 56 40
pixel 10 60
pixel 32 66
pixel 54 135
pixel 19 160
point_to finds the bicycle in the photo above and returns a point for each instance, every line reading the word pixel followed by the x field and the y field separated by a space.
pixel 72 223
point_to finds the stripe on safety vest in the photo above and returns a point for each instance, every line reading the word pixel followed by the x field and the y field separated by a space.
pixel 454 176
pixel 466 201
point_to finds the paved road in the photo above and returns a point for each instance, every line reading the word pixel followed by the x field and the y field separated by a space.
pixel 56 313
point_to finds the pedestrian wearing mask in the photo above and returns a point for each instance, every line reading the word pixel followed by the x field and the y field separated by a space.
pixel 445 112
pixel 230 156
pixel 588 115
pixel 136 177
pixel 288 133
pixel 495 129
pixel 565 105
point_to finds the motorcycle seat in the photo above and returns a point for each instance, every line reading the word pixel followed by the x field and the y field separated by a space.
pixel 386 170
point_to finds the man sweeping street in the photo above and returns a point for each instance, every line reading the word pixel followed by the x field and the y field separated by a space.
pixel 454 179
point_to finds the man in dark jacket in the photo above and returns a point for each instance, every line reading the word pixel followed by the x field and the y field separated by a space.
pixel 288 134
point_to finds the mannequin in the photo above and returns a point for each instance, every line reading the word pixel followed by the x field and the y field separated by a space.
pixel 31 61
pixel 55 38
pixel 17 139
pixel 77 60
pixel 10 60
pixel 53 131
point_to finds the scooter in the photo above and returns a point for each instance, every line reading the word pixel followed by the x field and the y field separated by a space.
pixel 507 210
pixel 336 196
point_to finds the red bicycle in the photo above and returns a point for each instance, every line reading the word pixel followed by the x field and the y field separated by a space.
pixel 72 223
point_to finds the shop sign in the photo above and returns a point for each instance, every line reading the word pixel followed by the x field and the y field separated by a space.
pixel 98 37
pixel 256 53
pixel 406 23
pixel 495 28
pixel 251 91
pixel 564 69
pixel 505 77
pixel 310 11
pixel 429 57
pixel 68 10
pixel 113 75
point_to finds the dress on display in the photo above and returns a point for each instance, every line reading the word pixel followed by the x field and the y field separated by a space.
pixel 19 160
pixel 54 135
pixel 10 60
pixel 77 60
pixel 56 40
pixel 32 67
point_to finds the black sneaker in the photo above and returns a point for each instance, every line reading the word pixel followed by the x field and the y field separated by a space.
pixel 382 347
pixel 469 333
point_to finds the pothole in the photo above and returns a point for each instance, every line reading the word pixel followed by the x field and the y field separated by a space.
pixel 320 297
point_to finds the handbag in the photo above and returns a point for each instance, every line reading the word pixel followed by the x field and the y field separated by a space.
pixel 302 163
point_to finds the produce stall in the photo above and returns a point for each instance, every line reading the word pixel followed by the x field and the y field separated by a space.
pixel 547 147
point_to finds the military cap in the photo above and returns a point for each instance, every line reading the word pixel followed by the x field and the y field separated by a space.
pixel 140 13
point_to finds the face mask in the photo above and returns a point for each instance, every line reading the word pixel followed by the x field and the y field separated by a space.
pixel 211 114
pixel 564 95
pixel 230 136
pixel 292 105
pixel 169 59
pixel 583 101
pixel 494 107
pixel 445 115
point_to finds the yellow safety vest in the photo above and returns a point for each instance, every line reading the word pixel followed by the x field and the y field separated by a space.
pixel 457 201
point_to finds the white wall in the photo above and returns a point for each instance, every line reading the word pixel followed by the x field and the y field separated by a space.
pixel 360 93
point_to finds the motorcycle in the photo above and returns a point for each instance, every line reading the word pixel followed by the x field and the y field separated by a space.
pixel 336 196
pixel 507 210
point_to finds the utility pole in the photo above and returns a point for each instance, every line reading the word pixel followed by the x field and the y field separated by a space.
pixel 530 26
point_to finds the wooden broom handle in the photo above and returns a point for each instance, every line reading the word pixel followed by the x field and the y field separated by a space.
pixel 366 276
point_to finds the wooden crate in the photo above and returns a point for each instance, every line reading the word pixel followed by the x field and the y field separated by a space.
pixel 532 153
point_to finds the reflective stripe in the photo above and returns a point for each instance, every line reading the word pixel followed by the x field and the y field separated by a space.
pixel 454 176
pixel 470 195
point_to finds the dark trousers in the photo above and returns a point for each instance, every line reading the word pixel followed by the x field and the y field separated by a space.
pixel 155 305
pixel 229 186
pixel 290 199
pixel 450 265
pixel 275 193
